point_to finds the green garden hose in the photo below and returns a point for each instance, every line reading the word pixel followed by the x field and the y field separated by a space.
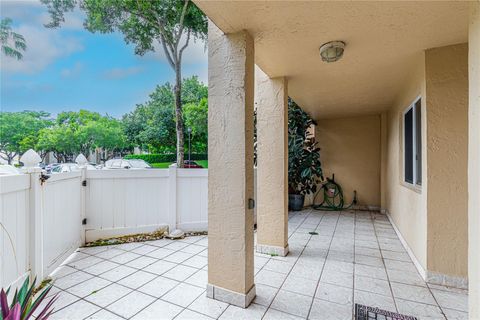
pixel 332 197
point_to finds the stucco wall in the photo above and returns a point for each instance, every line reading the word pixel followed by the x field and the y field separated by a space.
pixel 473 161
pixel 350 148
pixel 447 146
pixel 406 205
pixel 432 218
pixel 271 97
pixel 230 176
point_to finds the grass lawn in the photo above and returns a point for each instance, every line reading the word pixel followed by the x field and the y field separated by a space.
pixel 164 165
pixel 203 163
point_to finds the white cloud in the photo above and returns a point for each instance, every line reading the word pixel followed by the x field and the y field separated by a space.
pixel 35 12
pixel 120 73
pixel 74 71
pixel 44 46
pixel 25 10
pixel 195 53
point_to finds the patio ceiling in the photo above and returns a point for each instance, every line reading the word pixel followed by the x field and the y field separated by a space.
pixel 384 41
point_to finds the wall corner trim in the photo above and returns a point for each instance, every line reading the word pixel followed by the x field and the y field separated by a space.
pixel 446 280
pixel 415 261
pixel 429 276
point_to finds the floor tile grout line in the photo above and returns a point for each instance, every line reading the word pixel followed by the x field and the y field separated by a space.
pixel 296 260
pixel 409 284
pixel 137 269
pixel 300 226
pixel 278 289
pixel 157 276
pixel 142 244
pixel 160 298
pixel 325 261
pixel 383 262
pixel 269 257
pixel 133 289
pixel 165 293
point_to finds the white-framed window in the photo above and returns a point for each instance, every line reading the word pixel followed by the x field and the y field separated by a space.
pixel 412 143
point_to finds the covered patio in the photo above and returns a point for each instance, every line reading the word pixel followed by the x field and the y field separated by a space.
pixel 356 257
pixel 397 121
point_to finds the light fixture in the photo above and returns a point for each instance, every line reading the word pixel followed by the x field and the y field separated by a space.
pixel 332 51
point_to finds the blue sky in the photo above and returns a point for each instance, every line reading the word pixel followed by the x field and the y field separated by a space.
pixel 70 68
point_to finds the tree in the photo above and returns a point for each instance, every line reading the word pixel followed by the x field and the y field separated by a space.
pixel 196 118
pixel 171 23
pixel 82 132
pixel 152 124
pixel 19 131
pixel 59 139
pixel 193 91
pixel 12 43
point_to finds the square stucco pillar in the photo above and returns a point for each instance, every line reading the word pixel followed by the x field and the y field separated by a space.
pixel 230 162
pixel 474 161
pixel 271 100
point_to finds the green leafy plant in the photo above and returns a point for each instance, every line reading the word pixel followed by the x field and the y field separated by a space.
pixel 304 166
pixel 12 43
pixel 24 304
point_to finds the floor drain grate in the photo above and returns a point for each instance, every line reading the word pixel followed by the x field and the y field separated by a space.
pixel 372 313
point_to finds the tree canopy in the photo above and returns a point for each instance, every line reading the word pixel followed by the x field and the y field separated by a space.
pixel 19 131
pixel 152 124
pixel 170 23
pixel 82 132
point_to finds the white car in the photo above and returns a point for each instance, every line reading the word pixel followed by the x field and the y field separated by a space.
pixel 70 167
pixel 126 164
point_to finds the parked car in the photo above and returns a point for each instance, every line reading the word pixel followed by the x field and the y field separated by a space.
pixel 49 167
pixel 69 167
pixel 189 164
pixel 131 164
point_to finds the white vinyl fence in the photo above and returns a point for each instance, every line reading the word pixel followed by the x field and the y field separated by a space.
pixel 61 218
pixel 120 202
pixel 14 211
pixel 45 220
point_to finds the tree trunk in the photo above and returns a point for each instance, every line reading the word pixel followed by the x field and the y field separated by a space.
pixel 179 116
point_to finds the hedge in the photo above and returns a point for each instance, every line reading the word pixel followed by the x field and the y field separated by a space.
pixel 168 157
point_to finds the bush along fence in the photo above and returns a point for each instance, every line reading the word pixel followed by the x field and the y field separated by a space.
pixel 44 219
pixel 168 157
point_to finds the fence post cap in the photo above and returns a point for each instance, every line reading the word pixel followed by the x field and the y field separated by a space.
pixel 173 166
pixel 81 160
pixel 30 159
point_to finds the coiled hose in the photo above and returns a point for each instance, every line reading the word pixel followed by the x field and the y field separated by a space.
pixel 332 197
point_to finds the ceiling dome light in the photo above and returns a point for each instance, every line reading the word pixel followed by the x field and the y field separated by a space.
pixel 332 51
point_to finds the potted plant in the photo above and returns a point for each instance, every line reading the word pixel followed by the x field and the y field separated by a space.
pixel 304 167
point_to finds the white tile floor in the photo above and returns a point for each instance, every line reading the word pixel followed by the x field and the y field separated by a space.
pixel 356 257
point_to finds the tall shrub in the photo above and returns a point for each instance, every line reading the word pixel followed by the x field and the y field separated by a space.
pixel 304 166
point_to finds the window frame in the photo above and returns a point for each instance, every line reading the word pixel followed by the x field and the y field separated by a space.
pixel 416 179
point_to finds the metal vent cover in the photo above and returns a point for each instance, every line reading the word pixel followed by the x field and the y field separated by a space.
pixel 373 313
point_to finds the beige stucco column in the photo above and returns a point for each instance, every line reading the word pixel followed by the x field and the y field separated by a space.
pixel 474 162
pixel 271 101
pixel 230 176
